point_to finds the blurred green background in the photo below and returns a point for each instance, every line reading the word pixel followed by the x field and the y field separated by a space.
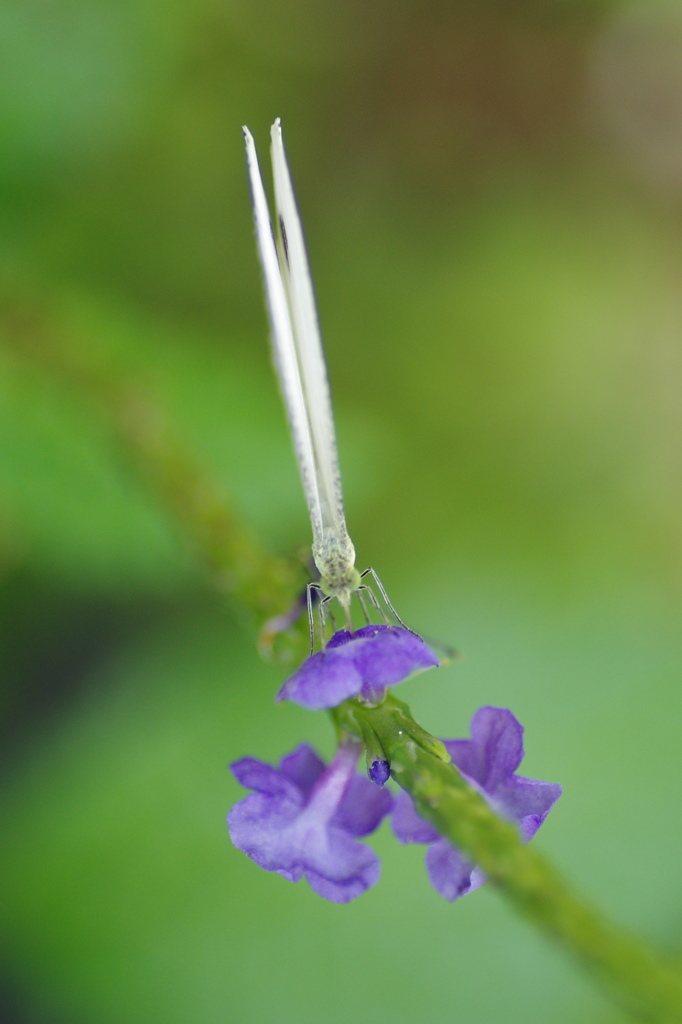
pixel 491 194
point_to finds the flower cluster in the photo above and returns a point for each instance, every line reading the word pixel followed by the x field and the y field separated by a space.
pixel 488 762
pixel 361 664
pixel 306 818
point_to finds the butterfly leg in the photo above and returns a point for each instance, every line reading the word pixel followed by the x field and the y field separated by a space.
pixel 380 586
pixel 363 604
pixel 324 611
pixel 451 653
pixel 365 590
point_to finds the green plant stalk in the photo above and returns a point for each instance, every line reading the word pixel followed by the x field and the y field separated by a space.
pixel 639 979
pixel 259 584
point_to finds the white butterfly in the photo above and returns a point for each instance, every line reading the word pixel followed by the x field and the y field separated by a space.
pixel 299 360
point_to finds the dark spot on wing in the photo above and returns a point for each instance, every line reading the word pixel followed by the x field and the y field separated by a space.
pixel 283 232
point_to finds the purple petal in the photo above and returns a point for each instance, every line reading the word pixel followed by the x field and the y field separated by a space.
pixel 466 756
pixel 366 662
pixel 408 826
pixel 341 637
pixel 387 655
pixel 495 750
pixel 260 826
pixel 254 774
pixel 343 892
pixel 340 869
pixel 527 802
pixel 363 807
pixel 303 767
pixel 324 680
pixel 451 875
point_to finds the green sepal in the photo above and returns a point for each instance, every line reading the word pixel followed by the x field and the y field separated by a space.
pixel 374 750
pixel 392 719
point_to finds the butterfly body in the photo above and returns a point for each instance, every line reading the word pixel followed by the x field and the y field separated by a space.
pixel 338 577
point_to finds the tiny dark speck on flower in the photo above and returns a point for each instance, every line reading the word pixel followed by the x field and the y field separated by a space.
pixel 380 772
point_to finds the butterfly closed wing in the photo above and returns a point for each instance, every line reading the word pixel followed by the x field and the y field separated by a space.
pixel 299 360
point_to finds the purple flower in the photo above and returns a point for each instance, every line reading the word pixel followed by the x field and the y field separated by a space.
pixel 361 664
pixel 305 819
pixel 488 762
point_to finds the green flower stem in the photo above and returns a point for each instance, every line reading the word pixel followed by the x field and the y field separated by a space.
pixel 238 565
pixel 641 981
pixel 236 562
